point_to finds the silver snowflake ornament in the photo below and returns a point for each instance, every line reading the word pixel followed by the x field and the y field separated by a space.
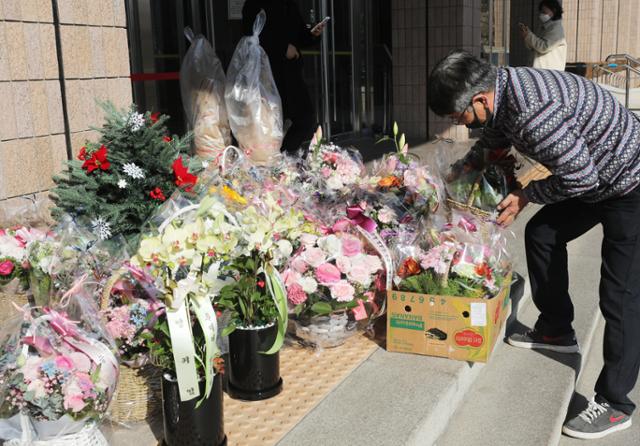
pixel 122 184
pixel 136 121
pixel 133 171
pixel 101 228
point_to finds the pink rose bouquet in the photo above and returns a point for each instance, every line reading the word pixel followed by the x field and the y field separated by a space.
pixel 331 273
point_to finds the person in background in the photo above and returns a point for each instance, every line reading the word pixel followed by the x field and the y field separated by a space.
pixel 548 44
pixel 284 34
pixel 591 145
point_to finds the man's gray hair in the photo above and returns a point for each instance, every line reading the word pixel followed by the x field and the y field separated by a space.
pixel 456 79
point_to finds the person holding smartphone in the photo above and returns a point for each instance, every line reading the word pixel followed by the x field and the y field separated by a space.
pixel 548 44
pixel 284 34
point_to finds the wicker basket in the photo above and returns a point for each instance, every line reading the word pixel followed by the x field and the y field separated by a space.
pixel 468 207
pixel 89 435
pixel 138 397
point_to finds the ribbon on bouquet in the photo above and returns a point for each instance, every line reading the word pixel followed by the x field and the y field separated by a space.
pixel 182 341
pixel 357 217
pixel 367 227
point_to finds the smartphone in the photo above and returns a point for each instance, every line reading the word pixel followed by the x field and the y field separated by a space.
pixel 325 20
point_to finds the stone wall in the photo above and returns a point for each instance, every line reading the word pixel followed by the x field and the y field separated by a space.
pixel 35 137
pixel 422 33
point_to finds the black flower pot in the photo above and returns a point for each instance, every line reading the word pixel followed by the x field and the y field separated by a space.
pixel 186 425
pixel 253 375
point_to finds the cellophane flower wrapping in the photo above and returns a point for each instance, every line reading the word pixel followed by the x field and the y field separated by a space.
pixel 330 172
pixel 58 370
pixel 419 189
pixel 481 183
pixel 456 258
pixel 132 310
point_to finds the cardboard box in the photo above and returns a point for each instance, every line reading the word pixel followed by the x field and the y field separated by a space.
pixel 451 327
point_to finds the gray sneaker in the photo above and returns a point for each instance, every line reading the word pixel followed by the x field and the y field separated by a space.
pixel 596 421
pixel 535 340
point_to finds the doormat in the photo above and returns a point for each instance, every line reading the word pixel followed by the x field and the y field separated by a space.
pixel 308 378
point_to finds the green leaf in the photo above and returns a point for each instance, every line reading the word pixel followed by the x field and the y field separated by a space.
pixel 321 308
pixel 229 329
pixel 277 291
pixel 298 309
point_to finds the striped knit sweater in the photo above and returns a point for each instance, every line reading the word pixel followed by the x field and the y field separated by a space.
pixel 573 127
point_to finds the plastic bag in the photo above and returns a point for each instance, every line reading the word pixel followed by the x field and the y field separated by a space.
pixel 202 83
pixel 58 372
pixel 28 210
pixel 253 101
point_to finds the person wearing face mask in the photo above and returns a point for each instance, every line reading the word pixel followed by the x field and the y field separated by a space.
pixel 591 145
pixel 548 44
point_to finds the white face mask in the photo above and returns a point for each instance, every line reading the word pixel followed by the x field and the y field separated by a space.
pixel 544 18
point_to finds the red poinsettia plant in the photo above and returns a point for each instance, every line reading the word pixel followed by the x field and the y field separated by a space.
pixel 96 160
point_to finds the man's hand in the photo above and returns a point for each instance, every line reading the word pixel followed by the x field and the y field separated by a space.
pixel 511 206
pixel 292 52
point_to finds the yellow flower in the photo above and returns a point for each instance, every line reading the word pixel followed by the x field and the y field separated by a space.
pixel 232 195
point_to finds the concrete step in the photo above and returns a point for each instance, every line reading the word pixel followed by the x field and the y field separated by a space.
pixel 521 398
pixel 584 392
pixel 399 399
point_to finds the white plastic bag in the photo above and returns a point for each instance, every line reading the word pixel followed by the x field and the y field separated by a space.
pixel 253 101
pixel 202 83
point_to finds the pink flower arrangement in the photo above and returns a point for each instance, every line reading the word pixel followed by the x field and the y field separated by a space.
pixel 333 272
pixel 330 168
pixel 67 370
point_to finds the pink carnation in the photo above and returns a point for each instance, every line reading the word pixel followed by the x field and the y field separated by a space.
pixel 343 263
pixel 360 274
pixel 6 268
pixel 64 363
pixel 75 403
pixel 342 291
pixel 314 256
pixel 326 172
pixel 372 263
pixel 327 274
pixel 351 246
pixel 299 265
pixel 296 295
pixel 290 276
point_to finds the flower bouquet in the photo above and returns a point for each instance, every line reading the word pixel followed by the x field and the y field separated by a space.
pixel 330 172
pixel 117 183
pixel 481 189
pixel 457 260
pixel 130 309
pixel 58 373
pixel 413 183
pixel 328 282
pixel 183 258
pixel 25 255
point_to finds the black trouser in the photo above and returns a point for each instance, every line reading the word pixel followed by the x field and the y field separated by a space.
pixel 546 240
pixel 297 106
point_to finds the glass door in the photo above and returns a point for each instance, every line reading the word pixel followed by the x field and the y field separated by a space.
pixel 350 73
